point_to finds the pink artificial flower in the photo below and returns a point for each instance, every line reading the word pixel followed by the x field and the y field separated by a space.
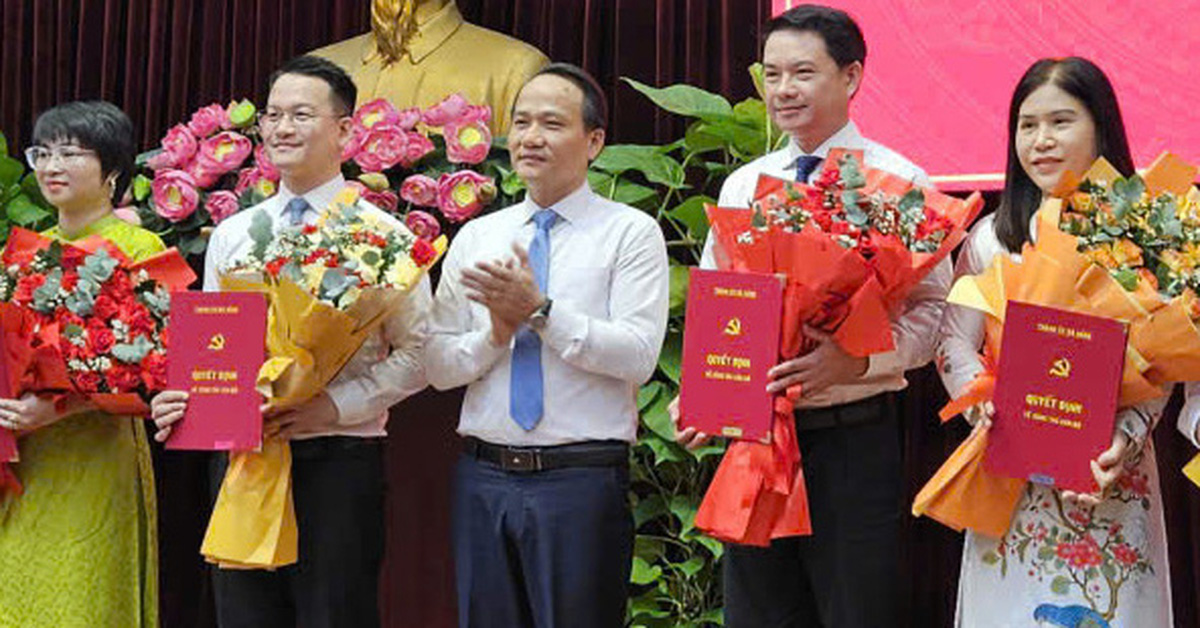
pixel 354 146
pixel 463 194
pixel 224 152
pixel 467 143
pixel 419 190
pixel 383 199
pixel 254 178
pixel 423 224
pixel 383 146
pixel 451 108
pixel 221 205
pixel 129 215
pixel 178 146
pixel 481 113
pixel 378 111
pixel 264 163
pixel 203 173
pixel 409 118
pixel 419 145
pixel 175 194
pixel 209 120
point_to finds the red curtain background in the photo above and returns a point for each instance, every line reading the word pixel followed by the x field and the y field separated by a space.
pixel 161 59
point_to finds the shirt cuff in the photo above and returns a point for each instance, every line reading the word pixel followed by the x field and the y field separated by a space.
pixel 351 402
pixel 564 329
pixel 881 364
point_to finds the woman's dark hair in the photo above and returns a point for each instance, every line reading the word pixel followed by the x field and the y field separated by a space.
pixel 344 92
pixel 1086 82
pixel 97 126
pixel 843 38
pixel 595 105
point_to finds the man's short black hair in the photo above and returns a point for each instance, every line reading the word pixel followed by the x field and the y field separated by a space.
pixel 97 126
pixel 345 93
pixel 595 104
pixel 843 38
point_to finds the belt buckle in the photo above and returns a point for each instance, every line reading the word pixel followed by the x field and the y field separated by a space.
pixel 521 460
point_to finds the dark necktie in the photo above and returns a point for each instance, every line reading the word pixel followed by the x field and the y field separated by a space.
pixel 805 165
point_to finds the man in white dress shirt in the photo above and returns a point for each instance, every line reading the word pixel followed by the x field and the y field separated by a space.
pixel 846 574
pixel 337 437
pixel 551 312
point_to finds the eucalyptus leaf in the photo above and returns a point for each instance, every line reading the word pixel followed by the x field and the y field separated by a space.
pixel 261 232
pixel 133 352
pixel 97 267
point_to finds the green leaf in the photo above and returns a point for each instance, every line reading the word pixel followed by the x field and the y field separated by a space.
pixel 648 393
pixel 686 100
pixel 651 507
pixel 97 267
pixel 991 558
pixel 141 187
pixel 912 203
pixel 510 183
pixel 671 357
pixel 658 420
pixel 644 573
pixel 11 171
pixel 679 289
pixel 261 232
pixel 23 211
pixel 242 113
pixel 691 566
pixel 1061 585
pixel 1045 553
pixel 657 167
pixel 684 508
pixel 133 352
pixel 633 194
pixel 1126 277
pixel 691 213
pixel 664 450
pixel 700 138
pixel 3 144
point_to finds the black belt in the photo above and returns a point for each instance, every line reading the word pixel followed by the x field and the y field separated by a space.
pixel 861 412
pixel 527 459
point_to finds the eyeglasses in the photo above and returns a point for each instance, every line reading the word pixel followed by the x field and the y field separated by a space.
pixel 272 118
pixel 38 157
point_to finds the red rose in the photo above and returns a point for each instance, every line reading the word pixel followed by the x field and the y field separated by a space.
pixel 105 307
pixel 123 378
pixel 25 287
pixel 154 371
pixel 140 321
pixel 100 337
pixel 87 381
pixel 423 253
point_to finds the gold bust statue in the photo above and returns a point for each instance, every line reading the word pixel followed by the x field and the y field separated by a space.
pixel 420 51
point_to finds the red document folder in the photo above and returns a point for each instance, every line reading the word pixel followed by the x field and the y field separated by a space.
pixel 218 341
pixel 1056 395
pixel 730 341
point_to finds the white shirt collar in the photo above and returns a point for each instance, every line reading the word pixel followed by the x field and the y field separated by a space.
pixel 319 198
pixel 572 208
pixel 845 137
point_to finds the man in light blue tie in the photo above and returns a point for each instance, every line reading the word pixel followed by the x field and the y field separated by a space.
pixel 552 313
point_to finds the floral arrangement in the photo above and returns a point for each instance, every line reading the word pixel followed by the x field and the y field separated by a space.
pixel 414 163
pixel 851 247
pixel 91 310
pixel 1141 237
pixel 347 251
pixel 840 204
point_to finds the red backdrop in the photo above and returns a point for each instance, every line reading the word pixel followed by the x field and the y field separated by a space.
pixel 937 89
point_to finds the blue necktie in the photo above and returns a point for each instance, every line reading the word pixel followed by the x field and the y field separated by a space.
pixel 294 211
pixel 525 387
pixel 805 165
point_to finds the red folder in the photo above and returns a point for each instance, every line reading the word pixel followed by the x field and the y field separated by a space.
pixel 1056 395
pixel 218 343
pixel 730 342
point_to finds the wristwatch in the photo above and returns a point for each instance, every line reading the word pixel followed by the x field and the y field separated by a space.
pixel 541 316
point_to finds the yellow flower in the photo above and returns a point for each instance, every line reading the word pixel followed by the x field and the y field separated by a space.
pixel 402 274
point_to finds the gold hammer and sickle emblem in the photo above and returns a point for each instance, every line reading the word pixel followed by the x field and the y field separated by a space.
pixel 1061 368
pixel 733 327
pixel 217 342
